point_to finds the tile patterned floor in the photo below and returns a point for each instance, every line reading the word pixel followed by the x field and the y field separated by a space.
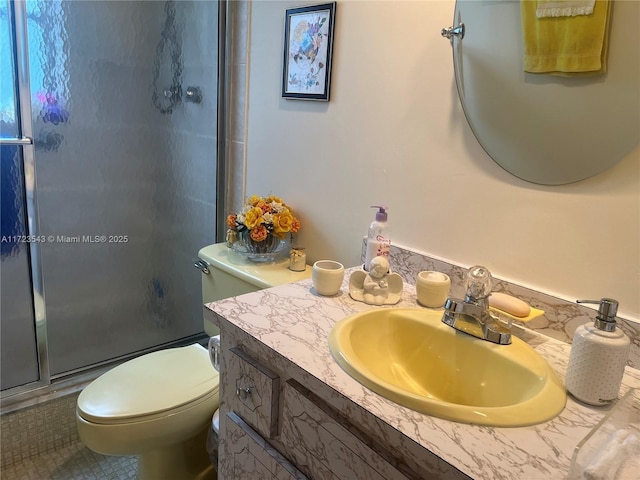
pixel 73 462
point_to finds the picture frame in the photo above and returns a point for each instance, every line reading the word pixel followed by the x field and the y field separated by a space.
pixel 308 49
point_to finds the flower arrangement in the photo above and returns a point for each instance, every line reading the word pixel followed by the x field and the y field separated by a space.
pixel 263 217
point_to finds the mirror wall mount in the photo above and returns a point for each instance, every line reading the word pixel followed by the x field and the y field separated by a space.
pixel 451 32
pixel 545 129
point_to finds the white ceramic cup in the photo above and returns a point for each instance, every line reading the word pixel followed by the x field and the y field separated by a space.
pixel 432 288
pixel 327 276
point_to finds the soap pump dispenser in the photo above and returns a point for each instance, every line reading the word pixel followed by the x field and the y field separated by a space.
pixel 598 356
pixel 378 242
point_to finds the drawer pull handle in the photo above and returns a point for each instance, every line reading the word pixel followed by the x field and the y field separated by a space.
pixel 244 393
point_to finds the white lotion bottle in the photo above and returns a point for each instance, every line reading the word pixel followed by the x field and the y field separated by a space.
pixel 598 356
pixel 378 242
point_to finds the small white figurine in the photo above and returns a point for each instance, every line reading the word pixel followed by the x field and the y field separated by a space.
pixel 378 287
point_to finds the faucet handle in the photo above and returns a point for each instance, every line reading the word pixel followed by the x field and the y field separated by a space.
pixel 479 283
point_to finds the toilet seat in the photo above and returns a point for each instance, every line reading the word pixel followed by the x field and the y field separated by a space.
pixel 150 386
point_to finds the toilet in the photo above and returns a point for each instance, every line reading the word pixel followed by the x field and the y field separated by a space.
pixel 157 406
pixel 160 406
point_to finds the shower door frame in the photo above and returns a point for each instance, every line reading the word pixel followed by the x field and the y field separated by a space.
pixel 17 12
pixel 18 20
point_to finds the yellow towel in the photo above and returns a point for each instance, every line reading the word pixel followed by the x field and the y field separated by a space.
pixel 567 46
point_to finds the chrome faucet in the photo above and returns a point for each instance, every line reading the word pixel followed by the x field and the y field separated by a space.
pixel 472 315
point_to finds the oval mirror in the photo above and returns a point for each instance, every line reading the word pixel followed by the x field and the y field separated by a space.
pixel 546 129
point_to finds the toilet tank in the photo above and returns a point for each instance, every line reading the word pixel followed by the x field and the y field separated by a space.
pixel 231 274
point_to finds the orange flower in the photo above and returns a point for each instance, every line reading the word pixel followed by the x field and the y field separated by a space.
pixel 231 221
pixel 259 233
pixel 264 206
pixel 295 225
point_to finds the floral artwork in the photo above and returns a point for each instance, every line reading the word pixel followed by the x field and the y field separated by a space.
pixel 307 53
pixel 304 46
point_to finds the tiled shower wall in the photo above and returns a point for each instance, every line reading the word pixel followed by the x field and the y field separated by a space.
pixel 239 19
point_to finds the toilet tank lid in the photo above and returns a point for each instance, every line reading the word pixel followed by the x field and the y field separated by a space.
pixel 261 275
pixel 149 384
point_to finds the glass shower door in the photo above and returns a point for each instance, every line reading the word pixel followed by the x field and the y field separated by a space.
pixel 126 171
pixel 124 102
pixel 18 348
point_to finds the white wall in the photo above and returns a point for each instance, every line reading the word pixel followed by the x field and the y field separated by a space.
pixel 394 132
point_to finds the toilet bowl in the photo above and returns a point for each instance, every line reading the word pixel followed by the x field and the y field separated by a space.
pixel 158 407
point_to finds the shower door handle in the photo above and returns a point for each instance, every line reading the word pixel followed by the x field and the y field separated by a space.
pixel 16 141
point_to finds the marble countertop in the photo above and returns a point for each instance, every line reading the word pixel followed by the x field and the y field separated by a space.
pixel 295 322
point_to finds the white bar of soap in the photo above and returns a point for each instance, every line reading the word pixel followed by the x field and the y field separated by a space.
pixel 509 304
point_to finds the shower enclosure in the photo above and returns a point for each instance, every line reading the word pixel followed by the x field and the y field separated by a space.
pixel 108 114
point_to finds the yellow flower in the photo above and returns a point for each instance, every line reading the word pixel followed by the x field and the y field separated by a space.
pixel 273 198
pixel 282 223
pixel 253 200
pixel 253 218
pixel 270 213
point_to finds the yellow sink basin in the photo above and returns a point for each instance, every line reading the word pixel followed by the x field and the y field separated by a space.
pixel 410 357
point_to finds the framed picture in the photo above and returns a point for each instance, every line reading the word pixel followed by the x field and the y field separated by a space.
pixel 308 44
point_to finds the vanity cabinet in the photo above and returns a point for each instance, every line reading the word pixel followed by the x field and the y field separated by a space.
pixel 250 457
pixel 273 426
pixel 314 437
pixel 288 410
pixel 256 389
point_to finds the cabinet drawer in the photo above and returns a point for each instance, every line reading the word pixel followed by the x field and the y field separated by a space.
pixel 250 457
pixel 316 441
pixel 254 391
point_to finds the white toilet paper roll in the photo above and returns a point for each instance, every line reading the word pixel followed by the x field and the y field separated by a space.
pixel 214 351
